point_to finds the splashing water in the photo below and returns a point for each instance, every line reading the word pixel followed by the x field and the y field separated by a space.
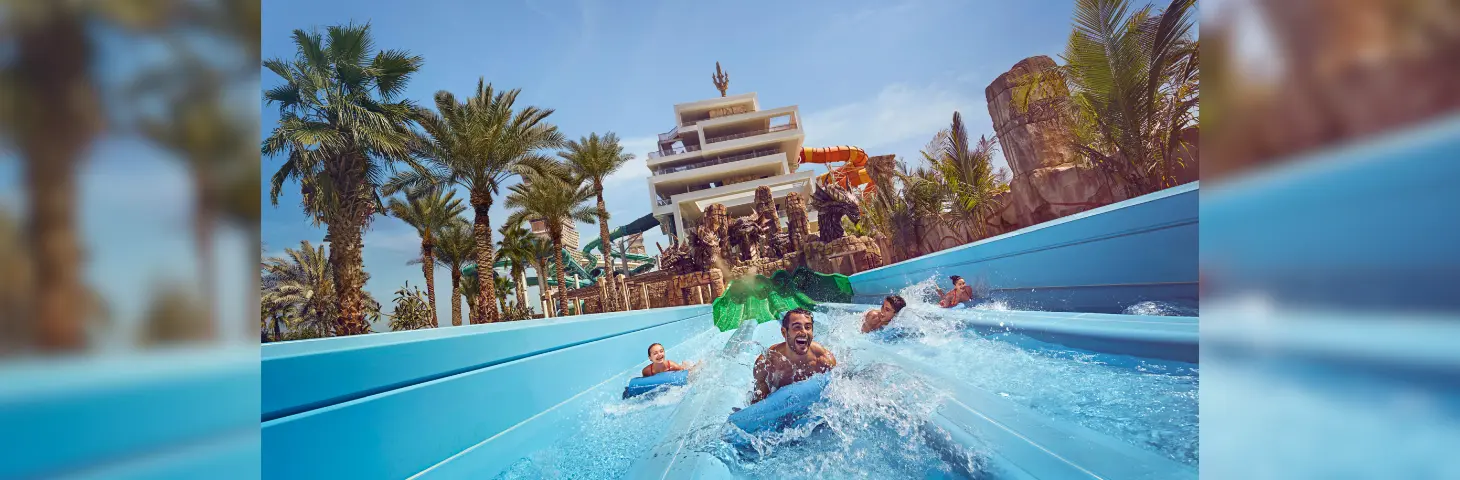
pixel 1159 308
pixel 873 421
pixel 1149 403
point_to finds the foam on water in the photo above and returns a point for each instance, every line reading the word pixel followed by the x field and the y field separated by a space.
pixel 872 422
pixel 1159 308
pixel 603 443
pixel 1149 403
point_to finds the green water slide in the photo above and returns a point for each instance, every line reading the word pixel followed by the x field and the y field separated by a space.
pixel 766 298
pixel 572 266
pixel 641 225
pixel 586 273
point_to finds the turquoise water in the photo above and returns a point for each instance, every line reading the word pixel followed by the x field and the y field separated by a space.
pixel 1152 404
pixel 874 421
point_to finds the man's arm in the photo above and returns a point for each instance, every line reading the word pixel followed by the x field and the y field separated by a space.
pixel 762 389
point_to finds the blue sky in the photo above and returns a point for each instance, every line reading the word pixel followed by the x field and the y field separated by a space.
pixel 882 75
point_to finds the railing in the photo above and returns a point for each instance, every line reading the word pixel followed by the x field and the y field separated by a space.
pixel 713 161
pixel 777 128
pixel 663 201
pixel 672 133
pixel 675 151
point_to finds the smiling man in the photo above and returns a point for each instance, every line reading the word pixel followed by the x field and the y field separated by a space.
pixel 793 360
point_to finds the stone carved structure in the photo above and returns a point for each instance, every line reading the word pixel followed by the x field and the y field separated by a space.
pixel 796 223
pixel 832 202
pixel 747 237
pixel 676 259
pixel 775 244
pixel 845 255
pixel 1050 180
pixel 709 238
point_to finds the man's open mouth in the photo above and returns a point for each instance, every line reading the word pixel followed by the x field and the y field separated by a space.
pixel 802 341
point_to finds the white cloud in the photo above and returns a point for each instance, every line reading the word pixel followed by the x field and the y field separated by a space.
pixel 899 113
pixel 635 170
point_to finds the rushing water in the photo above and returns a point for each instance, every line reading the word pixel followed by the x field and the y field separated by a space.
pixel 1152 404
pixel 874 420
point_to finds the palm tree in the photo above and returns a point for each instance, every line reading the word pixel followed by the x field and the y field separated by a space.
pixel 967 174
pixel 51 118
pixel 480 144
pixel 455 250
pixel 542 250
pixel 516 247
pixel 429 213
pixel 471 289
pixel 1133 81
pixel 592 159
pixel 300 286
pixel 552 196
pixel 340 125
pixel 504 287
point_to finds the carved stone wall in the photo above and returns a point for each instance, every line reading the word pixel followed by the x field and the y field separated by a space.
pixel 1049 178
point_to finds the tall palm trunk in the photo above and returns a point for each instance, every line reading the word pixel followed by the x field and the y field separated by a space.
pixel 52 60
pixel 455 297
pixel 345 242
pixel 542 288
pixel 611 303
pixel 428 262
pixel 346 232
pixel 203 238
pixel 277 333
pixel 557 235
pixel 481 202
pixel 519 276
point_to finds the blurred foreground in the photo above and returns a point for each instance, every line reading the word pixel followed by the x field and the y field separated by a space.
pixel 1330 251
pixel 128 221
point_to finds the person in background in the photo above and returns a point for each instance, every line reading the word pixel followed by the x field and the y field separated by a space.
pixel 961 293
pixel 875 320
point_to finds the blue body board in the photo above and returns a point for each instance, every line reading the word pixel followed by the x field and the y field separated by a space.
pixel 642 385
pixel 783 407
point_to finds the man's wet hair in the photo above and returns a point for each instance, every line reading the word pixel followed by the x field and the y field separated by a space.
pixel 786 319
pixel 955 279
pixel 651 347
pixel 896 301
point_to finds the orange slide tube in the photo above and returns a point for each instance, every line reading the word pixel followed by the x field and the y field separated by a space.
pixel 852 174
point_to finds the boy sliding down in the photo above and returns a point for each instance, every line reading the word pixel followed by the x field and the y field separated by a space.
pixel 874 320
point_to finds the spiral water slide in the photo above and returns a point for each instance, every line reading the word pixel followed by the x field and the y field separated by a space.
pixel 641 225
pixel 853 172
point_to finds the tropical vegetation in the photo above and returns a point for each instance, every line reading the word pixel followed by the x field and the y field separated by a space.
pixel 411 310
pixel 298 294
pixel 454 251
pixel 1133 81
pixel 593 159
pixel 341 126
pixel 430 214
pixel 479 144
pixel 555 197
